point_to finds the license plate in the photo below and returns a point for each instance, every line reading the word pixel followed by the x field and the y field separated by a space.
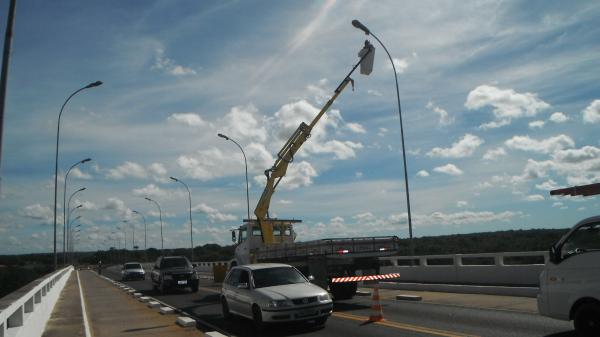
pixel 306 313
pixel 182 282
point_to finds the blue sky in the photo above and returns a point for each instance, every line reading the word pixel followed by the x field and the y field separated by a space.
pixel 500 104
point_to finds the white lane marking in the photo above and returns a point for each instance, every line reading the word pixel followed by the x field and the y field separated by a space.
pixel 83 310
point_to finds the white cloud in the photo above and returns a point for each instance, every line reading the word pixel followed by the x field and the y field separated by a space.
pixel 39 212
pixel 374 93
pixel 494 154
pixel 506 103
pixel 463 148
pixel 298 175
pixel 449 169
pixel 284 202
pixel 78 174
pixel 548 145
pixel 382 132
pixel 241 124
pixel 213 214
pixel 358 174
pixel 189 119
pixel 356 128
pixel 462 203
pixel 577 155
pixel 536 124
pixel 534 197
pixel 118 205
pixel 318 92
pixel 591 114
pixel 547 185
pixel 445 118
pixel 558 204
pixel 400 64
pixel 422 174
pixel 558 117
pixel 127 169
pixel 151 191
pixel 161 62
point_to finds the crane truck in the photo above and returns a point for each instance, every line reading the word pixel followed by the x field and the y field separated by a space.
pixel 330 263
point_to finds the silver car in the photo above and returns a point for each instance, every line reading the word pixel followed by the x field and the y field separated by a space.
pixel 132 271
pixel 273 292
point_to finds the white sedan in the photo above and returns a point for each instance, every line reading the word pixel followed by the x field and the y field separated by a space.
pixel 272 292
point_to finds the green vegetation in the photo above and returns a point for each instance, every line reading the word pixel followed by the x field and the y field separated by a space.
pixel 18 270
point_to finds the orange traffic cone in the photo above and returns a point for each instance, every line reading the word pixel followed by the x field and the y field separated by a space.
pixel 375 307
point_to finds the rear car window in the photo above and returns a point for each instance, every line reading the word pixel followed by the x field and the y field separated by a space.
pixel 132 266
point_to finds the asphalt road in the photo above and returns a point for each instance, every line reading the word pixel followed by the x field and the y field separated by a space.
pixel 401 318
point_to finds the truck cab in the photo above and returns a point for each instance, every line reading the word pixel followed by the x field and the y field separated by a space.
pixel 248 238
pixel 570 282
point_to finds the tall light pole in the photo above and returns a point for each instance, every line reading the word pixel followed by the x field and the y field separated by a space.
pixel 91 85
pixel 65 196
pixel 162 247
pixel 133 234
pixel 68 206
pixel 190 199
pixel 71 231
pixel 362 27
pixel 144 218
pixel 246 163
pixel 10 22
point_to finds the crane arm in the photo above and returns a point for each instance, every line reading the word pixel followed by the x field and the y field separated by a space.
pixel 286 155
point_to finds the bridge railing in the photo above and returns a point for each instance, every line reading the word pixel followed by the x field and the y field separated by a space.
pixel 25 312
pixel 509 268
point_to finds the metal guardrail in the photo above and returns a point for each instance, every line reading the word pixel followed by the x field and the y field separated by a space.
pixel 26 311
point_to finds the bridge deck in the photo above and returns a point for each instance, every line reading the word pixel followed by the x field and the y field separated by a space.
pixel 110 312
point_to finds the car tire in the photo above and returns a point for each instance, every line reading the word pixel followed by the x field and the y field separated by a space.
pixel 225 308
pixel 321 320
pixel 257 318
pixel 587 320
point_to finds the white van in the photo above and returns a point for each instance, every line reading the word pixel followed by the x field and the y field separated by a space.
pixel 570 282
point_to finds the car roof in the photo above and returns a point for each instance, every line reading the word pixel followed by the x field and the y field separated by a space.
pixel 257 266
pixel 131 263
pixel 173 257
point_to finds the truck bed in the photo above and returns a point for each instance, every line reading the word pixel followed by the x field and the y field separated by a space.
pixel 374 246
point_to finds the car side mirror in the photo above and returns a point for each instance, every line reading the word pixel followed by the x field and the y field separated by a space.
pixel 311 278
pixel 233 238
pixel 194 265
pixel 242 286
pixel 553 255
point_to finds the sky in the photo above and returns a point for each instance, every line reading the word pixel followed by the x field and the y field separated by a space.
pixel 500 104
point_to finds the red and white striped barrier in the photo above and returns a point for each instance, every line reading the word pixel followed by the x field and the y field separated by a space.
pixel 364 278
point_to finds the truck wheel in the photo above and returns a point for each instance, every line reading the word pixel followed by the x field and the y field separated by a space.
pixel 587 320
pixel 343 291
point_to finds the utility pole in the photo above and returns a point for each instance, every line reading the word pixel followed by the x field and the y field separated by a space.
pixel 4 77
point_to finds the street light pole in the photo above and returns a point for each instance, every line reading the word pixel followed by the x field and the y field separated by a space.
pixel 91 85
pixel 162 247
pixel 144 218
pixel 246 163
pixel 68 215
pixel 190 199
pixel 65 198
pixel 362 27
pixel 70 245
pixel 133 234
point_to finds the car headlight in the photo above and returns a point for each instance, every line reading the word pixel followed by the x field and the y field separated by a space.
pixel 324 298
pixel 167 277
pixel 278 304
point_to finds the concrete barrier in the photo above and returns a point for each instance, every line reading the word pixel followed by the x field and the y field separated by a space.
pixel 26 311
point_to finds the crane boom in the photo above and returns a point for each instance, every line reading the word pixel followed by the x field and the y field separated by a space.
pixel 286 155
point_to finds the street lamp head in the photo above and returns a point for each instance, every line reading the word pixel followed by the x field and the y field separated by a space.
pixel 78 207
pixel 85 160
pixel 360 26
pixel 174 179
pixel 94 84
pixel 136 212
pixel 223 136
pixel 147 198
pixel 81 189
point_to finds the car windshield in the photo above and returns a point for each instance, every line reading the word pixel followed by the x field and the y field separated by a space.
pixel 173 263
pixel 132 266
pixel 270 277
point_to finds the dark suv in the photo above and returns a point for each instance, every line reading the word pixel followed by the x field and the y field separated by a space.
pixel 173 272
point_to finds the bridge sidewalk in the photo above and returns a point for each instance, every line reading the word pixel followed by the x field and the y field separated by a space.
pixel 110 312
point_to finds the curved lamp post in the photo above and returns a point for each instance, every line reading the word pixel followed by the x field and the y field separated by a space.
pixel 133 234
pixel 91 85
pixel 68 206
pixel 65 197
pixel 366 30
pixel 144 218
pixel 71 232
pixel 246 163
pixel 162 247
pixel 190 199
